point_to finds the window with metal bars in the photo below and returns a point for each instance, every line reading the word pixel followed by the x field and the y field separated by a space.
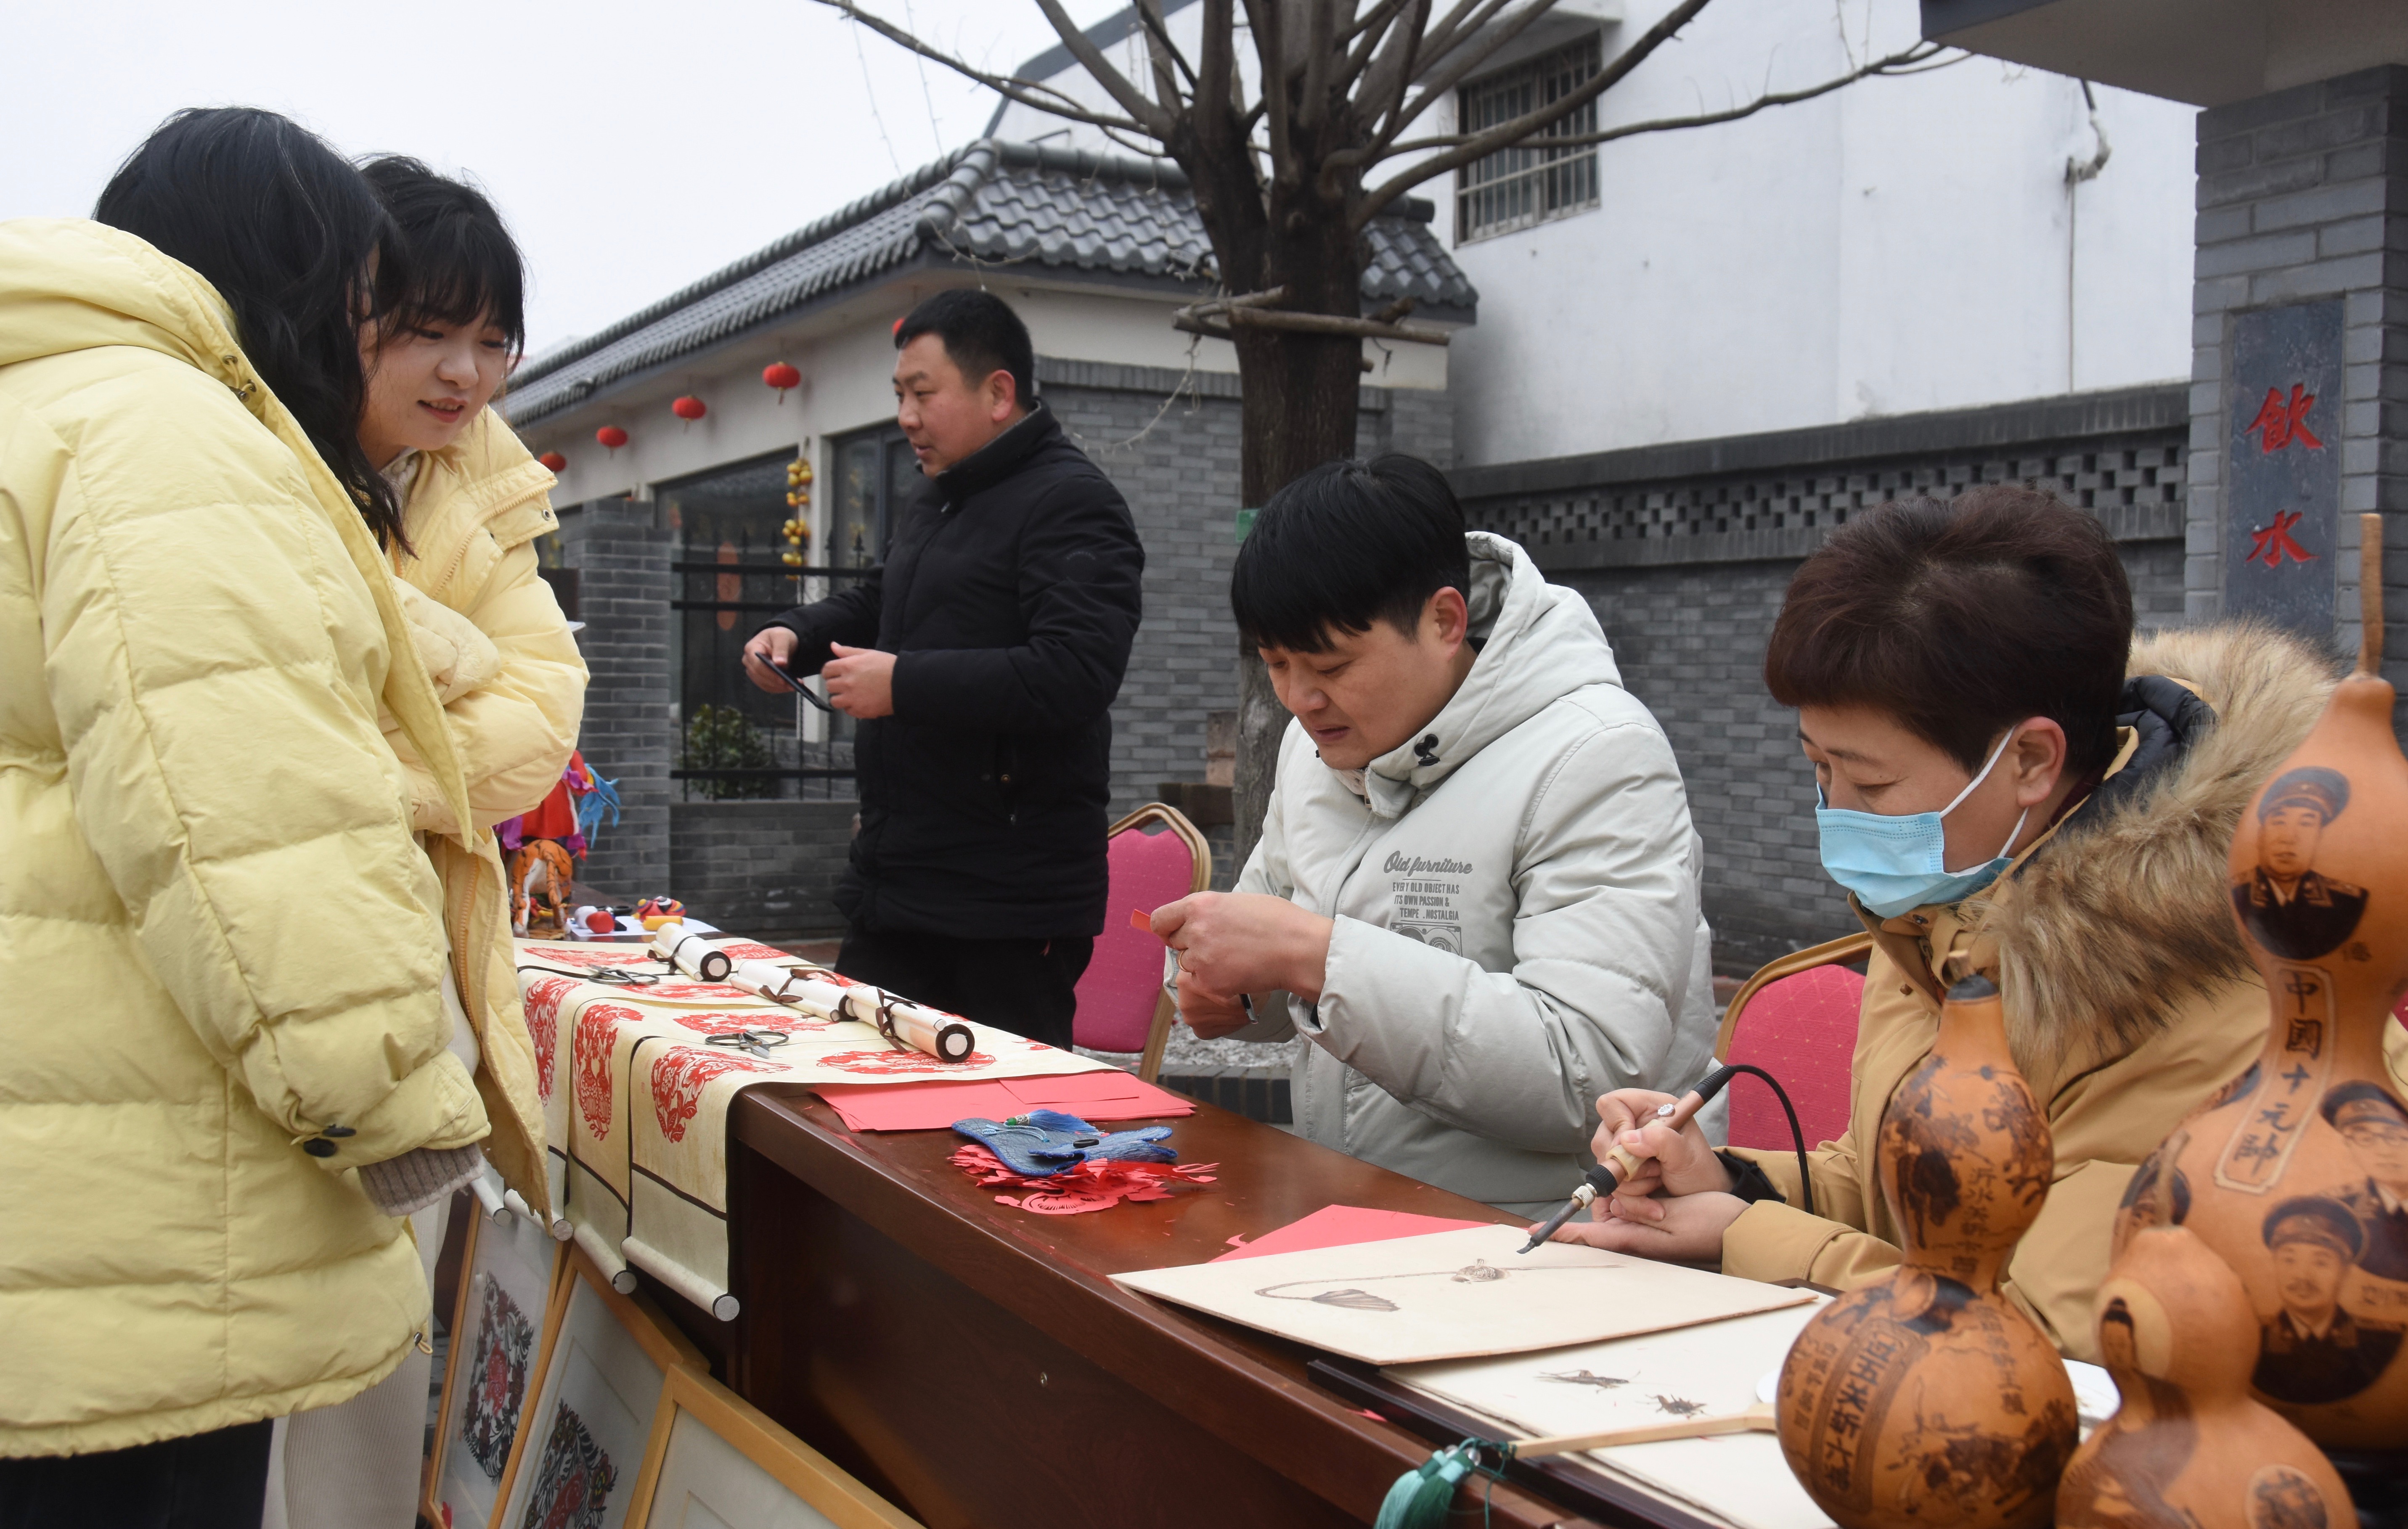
pixel 1533 181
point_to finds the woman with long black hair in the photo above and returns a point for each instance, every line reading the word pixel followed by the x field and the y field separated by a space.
pixel 228 1072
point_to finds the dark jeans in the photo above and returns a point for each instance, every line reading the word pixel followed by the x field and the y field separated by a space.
pixel 1021 985
pixel 215 1480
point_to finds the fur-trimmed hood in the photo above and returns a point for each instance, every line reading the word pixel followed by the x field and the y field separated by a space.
pixel 2122 916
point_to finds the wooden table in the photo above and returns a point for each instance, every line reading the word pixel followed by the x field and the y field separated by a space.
pixel 973 1361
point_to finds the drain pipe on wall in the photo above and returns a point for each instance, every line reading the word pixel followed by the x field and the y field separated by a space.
pixel 2076 172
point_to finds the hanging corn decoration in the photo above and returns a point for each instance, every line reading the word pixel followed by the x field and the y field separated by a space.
pixel 797 530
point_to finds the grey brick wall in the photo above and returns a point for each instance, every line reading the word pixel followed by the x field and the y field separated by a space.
pixel 622 566
pixel 1684 553
pixel 767 868
pixel 1178 468
pixel 2303 196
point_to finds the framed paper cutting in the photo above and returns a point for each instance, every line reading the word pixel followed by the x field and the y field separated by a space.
pixel 716 1462
pixel 507 1279
pixel 581 1439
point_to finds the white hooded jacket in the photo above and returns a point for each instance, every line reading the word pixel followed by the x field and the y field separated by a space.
pixel 1515 893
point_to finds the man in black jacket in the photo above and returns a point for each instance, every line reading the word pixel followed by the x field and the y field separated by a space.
pixel 981 662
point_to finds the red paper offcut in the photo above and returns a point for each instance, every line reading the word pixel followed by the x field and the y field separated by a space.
pixel 936 1104
pixel 1342 1226
pixel 1141 920
pixel 1094 1185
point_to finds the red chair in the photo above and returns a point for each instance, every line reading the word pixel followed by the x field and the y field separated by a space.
pixel 1796 1019
pixel 1122 1007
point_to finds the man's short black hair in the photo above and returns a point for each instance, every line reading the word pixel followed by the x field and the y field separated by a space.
pixel 982 335
pixel 1347 544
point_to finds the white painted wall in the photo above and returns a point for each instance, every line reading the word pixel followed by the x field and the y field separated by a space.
pixel 1901 244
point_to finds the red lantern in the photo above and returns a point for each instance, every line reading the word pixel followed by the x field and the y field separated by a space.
pixel 553 462
pixel 689 408
pixel 611 437
pixel 782 377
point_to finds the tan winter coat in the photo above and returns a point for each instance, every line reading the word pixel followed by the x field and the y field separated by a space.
pixel 2128 996
pixel 513 689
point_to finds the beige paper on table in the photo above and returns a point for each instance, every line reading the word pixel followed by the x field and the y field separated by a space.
pixel 1455 1294
pixel 1706 1371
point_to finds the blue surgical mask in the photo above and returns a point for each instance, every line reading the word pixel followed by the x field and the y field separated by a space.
pixel 1896 864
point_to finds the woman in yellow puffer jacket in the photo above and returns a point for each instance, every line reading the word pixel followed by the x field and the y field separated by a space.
pixel 223 954
pixel 508 671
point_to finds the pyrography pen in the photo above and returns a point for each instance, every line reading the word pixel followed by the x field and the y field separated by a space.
pixel 1620 1165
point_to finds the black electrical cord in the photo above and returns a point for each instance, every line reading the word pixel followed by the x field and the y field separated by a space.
pixel 1720 1077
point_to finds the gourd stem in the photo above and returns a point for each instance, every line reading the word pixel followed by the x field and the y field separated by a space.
pixel 2370 595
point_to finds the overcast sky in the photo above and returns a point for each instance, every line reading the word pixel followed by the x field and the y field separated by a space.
pixel 633 147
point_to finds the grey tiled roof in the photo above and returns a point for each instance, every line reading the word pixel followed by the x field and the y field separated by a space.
pixel 990 203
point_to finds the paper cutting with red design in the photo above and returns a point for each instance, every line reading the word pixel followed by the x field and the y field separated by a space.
pixel 1094 1185
pixel 598 1034
pixel 691 993
pixel 791 1022
pixel 890 1064
pixel 754 950
pixel 679 1076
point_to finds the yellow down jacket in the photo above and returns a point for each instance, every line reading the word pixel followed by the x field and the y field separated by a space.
pixel 513 687
pixel 216 935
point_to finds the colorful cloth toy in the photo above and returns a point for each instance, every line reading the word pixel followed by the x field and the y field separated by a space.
pixel 571 816
pixel 1046 1141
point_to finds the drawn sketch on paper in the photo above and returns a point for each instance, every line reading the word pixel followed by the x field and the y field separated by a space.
pixel 1446 1295
pixel 1703 1371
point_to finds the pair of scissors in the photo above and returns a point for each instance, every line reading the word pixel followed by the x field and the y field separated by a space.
pixel 614 977
pixel 756 1041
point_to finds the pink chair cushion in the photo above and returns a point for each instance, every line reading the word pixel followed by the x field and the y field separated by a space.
pixel 1802 1030
pixel 1117 995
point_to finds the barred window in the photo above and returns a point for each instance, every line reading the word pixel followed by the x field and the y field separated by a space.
pixel 1514 188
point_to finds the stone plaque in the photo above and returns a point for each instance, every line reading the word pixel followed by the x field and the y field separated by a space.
pixel 2283 474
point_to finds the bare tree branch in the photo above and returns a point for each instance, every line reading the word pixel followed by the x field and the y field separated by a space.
pixel 1158 45
pixel 1388 73
pixel 1034 95
pixel 1479 146
pixel 1321 48
pixel 1149 117
pixel 1270 48
pixel 1443 74
pixel 1895 65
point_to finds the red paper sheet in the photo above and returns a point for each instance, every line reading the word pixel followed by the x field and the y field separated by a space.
pixel 936 1104
pixel 1339 1226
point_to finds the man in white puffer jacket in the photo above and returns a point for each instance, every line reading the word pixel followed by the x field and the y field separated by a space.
pixel 1476 893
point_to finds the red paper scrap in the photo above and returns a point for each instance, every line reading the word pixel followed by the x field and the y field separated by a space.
pixel 936 1104
pixel 1341 1225
pixel 1141 920
pixel 1090 1186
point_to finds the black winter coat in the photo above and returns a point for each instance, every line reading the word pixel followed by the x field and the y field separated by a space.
pixel 1009 597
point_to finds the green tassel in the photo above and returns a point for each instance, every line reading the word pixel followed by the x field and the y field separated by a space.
pixel 1421 1497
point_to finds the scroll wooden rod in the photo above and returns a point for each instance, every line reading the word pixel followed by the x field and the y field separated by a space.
pixel 1755 1419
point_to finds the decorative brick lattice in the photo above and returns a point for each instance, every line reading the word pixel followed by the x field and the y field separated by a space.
pixel 2138 474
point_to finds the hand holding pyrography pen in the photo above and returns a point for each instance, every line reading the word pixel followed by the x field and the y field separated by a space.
pixel 1620 1165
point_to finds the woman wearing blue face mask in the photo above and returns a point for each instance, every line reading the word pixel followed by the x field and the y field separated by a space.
pixel 2010 784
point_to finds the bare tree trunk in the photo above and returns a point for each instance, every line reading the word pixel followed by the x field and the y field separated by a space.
pixel 1298 403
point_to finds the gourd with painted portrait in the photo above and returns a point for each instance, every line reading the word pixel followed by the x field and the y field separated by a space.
pixel 2296 1173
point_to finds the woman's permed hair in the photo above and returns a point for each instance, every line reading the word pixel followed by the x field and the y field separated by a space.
pixel 464 268
pixel 1961 618
pixel 298 245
